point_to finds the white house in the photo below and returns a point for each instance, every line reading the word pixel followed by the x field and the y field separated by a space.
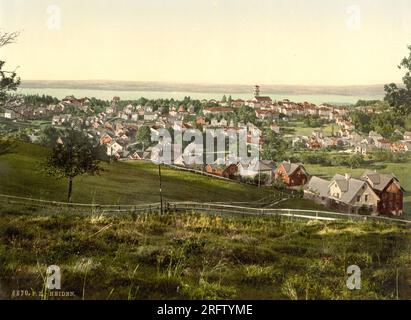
pixel 353 193
pixel 114 148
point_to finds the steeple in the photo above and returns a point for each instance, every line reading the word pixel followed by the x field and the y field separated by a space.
pixel 256 91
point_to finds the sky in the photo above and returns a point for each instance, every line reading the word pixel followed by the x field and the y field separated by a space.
pixel 297 42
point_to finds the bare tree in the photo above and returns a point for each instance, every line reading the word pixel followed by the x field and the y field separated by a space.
pixel 8 82
pixel 8 79
pixel 8 38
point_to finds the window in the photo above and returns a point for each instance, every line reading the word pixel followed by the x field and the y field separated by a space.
pixel 366 197
pixel 358 198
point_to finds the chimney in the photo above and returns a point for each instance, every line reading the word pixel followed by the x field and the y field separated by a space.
pixel 347 176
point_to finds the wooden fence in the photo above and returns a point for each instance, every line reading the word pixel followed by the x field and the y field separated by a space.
pixel 42 206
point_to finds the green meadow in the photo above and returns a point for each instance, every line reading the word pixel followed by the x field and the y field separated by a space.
pixel 198 256
pixel 135 182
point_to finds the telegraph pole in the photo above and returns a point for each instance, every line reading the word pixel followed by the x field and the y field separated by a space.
pixel 161 191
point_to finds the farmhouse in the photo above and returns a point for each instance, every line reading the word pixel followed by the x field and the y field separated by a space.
pixel 343 193
pixel 352 195
pixel 317 189
pixel 10 114
pixel 388 188
pixel 264 168
pixel 292 174
pixel 221 170
pixel 114 149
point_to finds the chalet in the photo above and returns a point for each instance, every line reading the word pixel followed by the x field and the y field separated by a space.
pixel 150 116
pixel 362 148
pixel 383 144
pixel 317 189
pixel 324 111
pixel 62 119
pixel 292 174
pixel 264 168
pixel 148 109
pixel 139 155
pixel 201 121
pixel 352 195
pixel 114 149
pixel 108 126
pixel 238 103
pixel 398 147
pixel 389 190
pixel 181 109
pixel 106 138
pixel 10 114
pixel 314 143
pixel 221 170
pixel 111 110
pixel 79 103
pixel 134 116
pixel 264 114
pixel 179 125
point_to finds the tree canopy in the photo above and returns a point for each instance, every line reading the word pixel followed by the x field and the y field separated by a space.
pixel 74 154
pixel 8 79
pixel 400 97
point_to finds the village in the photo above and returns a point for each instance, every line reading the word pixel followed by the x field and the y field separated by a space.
pixel 125 129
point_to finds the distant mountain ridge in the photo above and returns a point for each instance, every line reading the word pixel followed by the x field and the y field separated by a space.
pixel 377 89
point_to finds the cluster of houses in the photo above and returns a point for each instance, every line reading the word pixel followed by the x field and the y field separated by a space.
pixel 116 129
pixel 366 144
pixel 19 110
pixel 354 142
pixel 373 193
pixel 267 109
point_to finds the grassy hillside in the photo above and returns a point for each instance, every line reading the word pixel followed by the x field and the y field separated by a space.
pixel 195 256
pixel 122 183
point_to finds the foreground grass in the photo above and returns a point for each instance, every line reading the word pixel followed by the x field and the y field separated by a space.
pixel 197 256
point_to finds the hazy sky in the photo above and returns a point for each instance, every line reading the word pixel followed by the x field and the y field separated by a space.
pixel 323 42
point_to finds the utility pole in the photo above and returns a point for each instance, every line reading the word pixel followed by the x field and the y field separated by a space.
pixel 161 191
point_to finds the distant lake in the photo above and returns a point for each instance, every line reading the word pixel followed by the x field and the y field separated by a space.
pixel 134 95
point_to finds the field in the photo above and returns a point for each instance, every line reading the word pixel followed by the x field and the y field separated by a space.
pixel 188 255
pixel 198 256
pixel 123 183
pixel 298 128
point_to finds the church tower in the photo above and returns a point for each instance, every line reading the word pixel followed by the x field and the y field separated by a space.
pixel 256 91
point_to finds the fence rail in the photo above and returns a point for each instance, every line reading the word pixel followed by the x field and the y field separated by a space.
pixel 293 213
pixel 195 206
